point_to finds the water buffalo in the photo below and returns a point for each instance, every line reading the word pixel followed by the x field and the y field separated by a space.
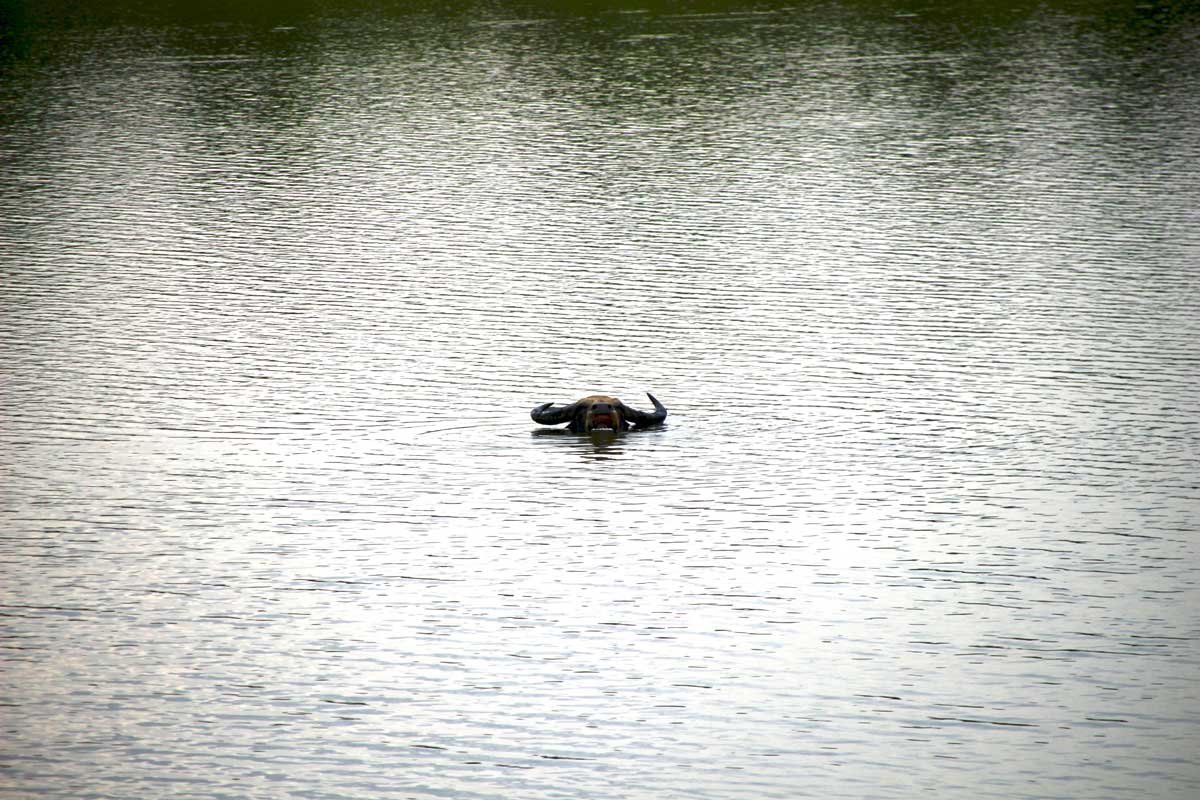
pixel 599 412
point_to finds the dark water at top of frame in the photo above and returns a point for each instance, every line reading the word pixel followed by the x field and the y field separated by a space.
pixel 918 283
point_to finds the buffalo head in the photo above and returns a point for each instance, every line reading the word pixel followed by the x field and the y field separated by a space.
pixel 599 412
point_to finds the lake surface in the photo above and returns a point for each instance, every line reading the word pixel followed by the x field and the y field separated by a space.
pixel 919 286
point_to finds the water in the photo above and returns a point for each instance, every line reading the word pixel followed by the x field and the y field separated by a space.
pixel 917 285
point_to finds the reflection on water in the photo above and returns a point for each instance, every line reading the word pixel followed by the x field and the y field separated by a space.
pixel 918 286
pixel 602 445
